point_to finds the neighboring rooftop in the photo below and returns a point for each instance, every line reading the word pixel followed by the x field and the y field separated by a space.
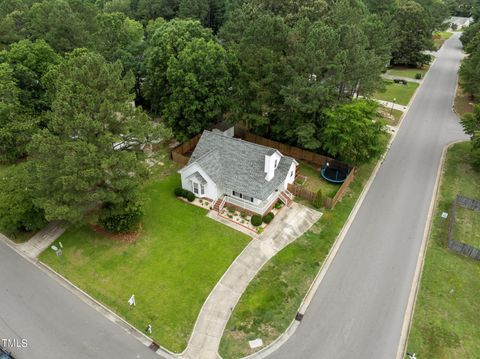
pixel 239 165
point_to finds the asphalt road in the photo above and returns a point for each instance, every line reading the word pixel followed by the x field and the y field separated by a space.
pixel 54 322
pixel 359 307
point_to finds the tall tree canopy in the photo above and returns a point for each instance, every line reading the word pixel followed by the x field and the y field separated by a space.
pixel 166 42
pixel 200 80
pixel 471 125
pixel 311 55
pixel 30 62
pixel 118 37
pixel 16 128
pixel 17 210
pixel 352 134
pixel 86 157
pixel 63 24
pixel 414 34
pixel 469 70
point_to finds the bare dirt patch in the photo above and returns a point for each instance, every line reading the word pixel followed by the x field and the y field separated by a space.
pixel 130 237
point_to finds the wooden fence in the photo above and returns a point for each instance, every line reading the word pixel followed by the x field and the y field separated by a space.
pixel 295 152
pixel 181 153
pixel 328 202
pixel 457 246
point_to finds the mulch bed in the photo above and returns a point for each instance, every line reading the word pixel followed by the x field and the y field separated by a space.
pixel 130 237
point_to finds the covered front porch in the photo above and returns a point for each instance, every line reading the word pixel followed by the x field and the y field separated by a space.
pixel 253 207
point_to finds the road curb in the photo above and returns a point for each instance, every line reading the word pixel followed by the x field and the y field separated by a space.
pixel 90 301
pixel 408 318
pixel 412 300
pixel 280 340
pixel 104 310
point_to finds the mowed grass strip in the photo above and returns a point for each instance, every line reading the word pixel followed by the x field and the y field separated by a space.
pixel 171 269
pixel 401 93
pixel 463 103
pixel 409 72
pixel 272 299
pixel 446 319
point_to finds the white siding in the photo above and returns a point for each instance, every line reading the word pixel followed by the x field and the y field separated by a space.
pixel 271 163
pixel 211 190
pixel 290 176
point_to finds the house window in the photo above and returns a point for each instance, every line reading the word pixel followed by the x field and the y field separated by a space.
pixel 291 173
pixel 236 194
pixel 276 163
pixel 202 189
pixel 195 187
pixel 247 198
pixel 239 195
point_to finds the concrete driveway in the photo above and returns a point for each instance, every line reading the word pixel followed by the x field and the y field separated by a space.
pixel 359 308
pixel 287 226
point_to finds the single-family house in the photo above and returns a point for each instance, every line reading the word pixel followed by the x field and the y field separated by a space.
pixel 230 171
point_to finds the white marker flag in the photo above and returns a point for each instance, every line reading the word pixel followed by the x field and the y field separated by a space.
pixel 131 301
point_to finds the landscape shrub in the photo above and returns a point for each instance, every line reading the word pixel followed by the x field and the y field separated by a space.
pixel 418 76
pixel 318 200
pixel 268 218
pixel 256 220
pixel 278 205
pixel 179 191
pixel 120 218
pixel 190 196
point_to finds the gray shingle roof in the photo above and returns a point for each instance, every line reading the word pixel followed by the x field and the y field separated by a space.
pixel 197 177
pixel 238 165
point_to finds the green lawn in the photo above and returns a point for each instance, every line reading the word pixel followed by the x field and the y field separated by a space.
pixel 4 170
pixel 272 299
pixel 407 71
pixel 315 181
pixel 467 226
pixel 446 319
pixel 397 115
pixel 401 93
pixel 171 269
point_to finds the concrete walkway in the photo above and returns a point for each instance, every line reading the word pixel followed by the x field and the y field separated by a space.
pixel 389 105
pixel 289 224
pixel 42 240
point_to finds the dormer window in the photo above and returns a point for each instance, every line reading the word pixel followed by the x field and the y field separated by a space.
pixel 271 163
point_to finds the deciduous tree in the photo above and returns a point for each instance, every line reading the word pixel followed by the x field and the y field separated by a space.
pixel 17 210
pixel 200 79
pixel 16 128
pixel 414 34
pixel 352 133
pixel 166 42
pixel 471 125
